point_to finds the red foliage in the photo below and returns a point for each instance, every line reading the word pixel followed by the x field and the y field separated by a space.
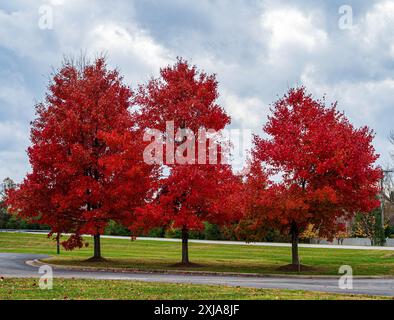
pixel 190 195
pixel 191 192
pixel 184 95
pixel 86 155
pixel 326 167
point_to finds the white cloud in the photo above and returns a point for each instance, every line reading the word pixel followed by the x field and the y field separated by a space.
pixel 292 27
pixel 13 131
pixel 258 49
pixel 19 32
pixel 377 26
pixel 363 100
pixel 16 101
pixel 13 165
pixel 14 139
pixel 129 45
pixel 246 112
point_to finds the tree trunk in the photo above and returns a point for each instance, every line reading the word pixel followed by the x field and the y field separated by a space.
pixel 294 245
pixel 185 247
pixel 97 247
pixel 58 243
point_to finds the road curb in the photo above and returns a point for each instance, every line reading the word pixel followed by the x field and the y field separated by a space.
pixel 37 263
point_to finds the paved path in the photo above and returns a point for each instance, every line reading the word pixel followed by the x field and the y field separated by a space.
pixel 14 265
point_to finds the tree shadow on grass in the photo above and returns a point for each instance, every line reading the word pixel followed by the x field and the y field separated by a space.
pixel 95 259
pixel 296 268
pixel 185 265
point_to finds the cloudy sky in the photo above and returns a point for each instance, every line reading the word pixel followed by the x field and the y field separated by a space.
pixel 258 49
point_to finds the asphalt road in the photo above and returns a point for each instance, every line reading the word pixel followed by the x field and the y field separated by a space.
pixel 14 265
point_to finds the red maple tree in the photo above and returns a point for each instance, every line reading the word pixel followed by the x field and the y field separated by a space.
pixel 325 167
pixel 86 156
pixel 254 200
pixel 189 195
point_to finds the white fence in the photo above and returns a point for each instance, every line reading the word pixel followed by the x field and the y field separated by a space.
pixel 352 242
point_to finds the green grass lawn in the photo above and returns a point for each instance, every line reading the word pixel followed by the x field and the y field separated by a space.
pixel 11 288
pixel 142 254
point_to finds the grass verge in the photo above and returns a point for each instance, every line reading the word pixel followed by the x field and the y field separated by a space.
pixel 70 289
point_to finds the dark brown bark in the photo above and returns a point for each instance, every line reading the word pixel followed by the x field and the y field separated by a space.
pixel 294 244
pixel 185 246
pixel 58 244
pixel 97 247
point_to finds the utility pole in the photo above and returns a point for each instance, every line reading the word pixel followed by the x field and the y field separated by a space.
pixel 382 196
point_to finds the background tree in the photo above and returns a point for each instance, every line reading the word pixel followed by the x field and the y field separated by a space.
pixel 188 195
pixel 4 215
pixel 8 220
pixel 86 156
pixel 312 233
pixel 325 165
pixel 309 233
pixel 370 226
pixel 7 184
pixel 341 235
pixel 255 200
